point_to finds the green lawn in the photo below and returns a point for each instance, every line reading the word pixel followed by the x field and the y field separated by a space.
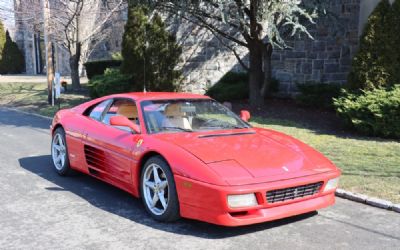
pixel 370 166
pixel 33 97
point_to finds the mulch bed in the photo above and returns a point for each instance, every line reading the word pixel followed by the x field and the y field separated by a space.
pixel 321 120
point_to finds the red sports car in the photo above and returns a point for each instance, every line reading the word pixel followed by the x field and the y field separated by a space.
pixel 188 156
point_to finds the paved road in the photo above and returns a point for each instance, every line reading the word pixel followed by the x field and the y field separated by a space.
pixel 40 210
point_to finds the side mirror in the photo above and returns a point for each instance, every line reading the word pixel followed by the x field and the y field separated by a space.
pixel 245 115
pixel 122 121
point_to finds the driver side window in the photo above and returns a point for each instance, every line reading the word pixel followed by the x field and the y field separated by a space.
pixel 122 107
pixel 97 111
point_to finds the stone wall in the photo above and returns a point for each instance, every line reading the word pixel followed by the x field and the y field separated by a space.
pixel 327 58
pixel 204 59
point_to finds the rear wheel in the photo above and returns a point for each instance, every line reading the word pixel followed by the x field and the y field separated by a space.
pixel 158 190
pixel 59 152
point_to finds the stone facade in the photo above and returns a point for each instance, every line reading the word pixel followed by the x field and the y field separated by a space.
pixel 325 59
pixel 28 34
pixel 204 59
pixel 29 37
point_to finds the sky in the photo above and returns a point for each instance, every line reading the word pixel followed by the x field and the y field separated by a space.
pixel 6 14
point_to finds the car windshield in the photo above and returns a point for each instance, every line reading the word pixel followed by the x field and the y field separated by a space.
pixel 188 115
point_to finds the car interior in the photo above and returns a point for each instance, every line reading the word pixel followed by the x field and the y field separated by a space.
pixel 123 108
pixel 175 117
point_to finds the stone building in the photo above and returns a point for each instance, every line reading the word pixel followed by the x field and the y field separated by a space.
pixel 29 37
pixel 326 59
pixel 28 34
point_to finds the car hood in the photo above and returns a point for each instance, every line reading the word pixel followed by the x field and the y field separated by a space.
pixel 251 155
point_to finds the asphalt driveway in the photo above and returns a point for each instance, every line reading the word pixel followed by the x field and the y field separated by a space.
pixel 40 210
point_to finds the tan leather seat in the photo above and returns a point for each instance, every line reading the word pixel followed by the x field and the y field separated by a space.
pixel 129 111
pixel 175 117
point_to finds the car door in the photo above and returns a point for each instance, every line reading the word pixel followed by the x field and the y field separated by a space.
pixel 75 132
pixel 109 150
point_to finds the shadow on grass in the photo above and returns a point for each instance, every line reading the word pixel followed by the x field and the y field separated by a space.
pixel 118 202
pixel 344 133
pixel 31 99
pixel 372 173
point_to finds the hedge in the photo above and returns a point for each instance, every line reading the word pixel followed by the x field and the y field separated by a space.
pixel 374 112
pixel 234 86
pixel 111 82
pixel 318 95
pixel 96 68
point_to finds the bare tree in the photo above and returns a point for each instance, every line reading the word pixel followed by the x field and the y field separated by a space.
pixel 79 25
pixel 7 14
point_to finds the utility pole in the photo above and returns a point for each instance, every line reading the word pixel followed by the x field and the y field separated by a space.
pixel 49 50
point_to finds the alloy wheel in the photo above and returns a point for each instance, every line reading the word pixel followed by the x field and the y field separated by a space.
pixel 58 151
pixel 155 189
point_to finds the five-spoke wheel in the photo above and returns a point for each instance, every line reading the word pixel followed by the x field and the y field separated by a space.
pixel 158 190
pixel 155 187
pixel 59 152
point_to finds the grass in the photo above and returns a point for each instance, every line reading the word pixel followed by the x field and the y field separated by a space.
pixel 32 97
pixel 370 166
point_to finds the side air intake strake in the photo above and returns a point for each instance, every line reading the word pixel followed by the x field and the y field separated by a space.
pixel 95 157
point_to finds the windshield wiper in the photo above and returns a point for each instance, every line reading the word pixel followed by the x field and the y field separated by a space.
pixel 177 128
pixel 235 127
pixel 226 127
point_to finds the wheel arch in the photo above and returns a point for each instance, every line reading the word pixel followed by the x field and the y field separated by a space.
pixel 58 125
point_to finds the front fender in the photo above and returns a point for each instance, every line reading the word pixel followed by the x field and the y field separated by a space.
pixel 182 162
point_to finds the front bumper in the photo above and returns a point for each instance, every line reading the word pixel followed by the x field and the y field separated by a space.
pixel 207 202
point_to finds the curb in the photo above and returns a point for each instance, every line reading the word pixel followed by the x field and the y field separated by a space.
pixel 356 197
pixel 361 198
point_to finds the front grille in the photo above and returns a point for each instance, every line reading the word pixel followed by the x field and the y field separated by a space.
pixel 293 192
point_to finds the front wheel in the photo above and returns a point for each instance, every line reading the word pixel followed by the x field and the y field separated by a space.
pixel 158 190
pixel 59 152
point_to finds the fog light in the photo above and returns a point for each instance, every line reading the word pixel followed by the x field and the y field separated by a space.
pixel 242 200
pixel 332 184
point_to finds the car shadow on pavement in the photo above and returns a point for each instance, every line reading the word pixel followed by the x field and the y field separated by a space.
pixel 113 200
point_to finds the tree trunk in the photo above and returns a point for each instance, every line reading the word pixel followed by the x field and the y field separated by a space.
pixel 49 71
pixel 74 66
pixel 267 62
pixel 256 75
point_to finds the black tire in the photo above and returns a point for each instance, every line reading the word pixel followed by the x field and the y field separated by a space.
pixel 62 169
pixel 171 212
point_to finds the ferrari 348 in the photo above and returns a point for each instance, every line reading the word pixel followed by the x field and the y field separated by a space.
pixel 186 155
